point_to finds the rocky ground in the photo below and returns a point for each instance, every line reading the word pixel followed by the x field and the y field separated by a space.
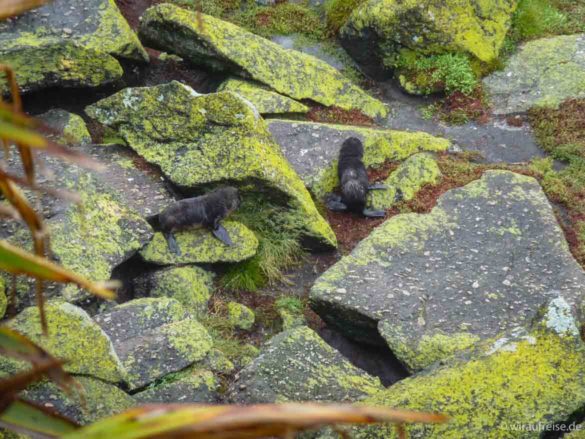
pixel 466 299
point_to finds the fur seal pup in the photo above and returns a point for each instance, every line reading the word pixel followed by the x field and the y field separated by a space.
pixel 203 211
pixel 353 179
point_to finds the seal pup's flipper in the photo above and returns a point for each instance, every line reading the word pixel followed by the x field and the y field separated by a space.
pixel 370 213
pixel 335 204
pixel 172 243
pixel 377 187
pixel 222 234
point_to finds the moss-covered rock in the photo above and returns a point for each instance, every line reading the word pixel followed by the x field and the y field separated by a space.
pixel 313 148
pixel 521 378
pixel 406 181
pixel 200 141
pixel 240 316
pixel 430 285
pixel 189 386
pixel 99 399
pixel 291 312
pixel 379 30
pixel 153 338
pixel 543 73
pixel 222 45
pixel 218 362
pixel 201 247
pixel 73 336
pixel 297 365
pixel 265 100
pixel 69 128
pixel 59 64
pixel 191 286
pixel 92 24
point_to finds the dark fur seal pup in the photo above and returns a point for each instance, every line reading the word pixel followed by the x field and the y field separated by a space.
pixel 203 211
pixel 353 179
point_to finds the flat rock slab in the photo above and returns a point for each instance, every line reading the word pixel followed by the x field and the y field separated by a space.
pixel 222 45
pixel 313 148
pixel 483 261
pixel 201 247
pixel 297 365
pixel 544 73
pixel 99 400
pixel 97 25
pixel 73 337
pixel 524 377
pixel 265 100
pixel 157 337
pixel 190 386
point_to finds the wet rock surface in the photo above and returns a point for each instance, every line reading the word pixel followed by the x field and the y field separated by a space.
pixel 483 261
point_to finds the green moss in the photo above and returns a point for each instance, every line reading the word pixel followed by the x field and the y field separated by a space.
pixel 289 72
pixel 191 286
pixel 338 11
pixel 474 27
pixel 416 172
pixel 240 316
pixel 291 312
pixel 538 376
pixel 265 101
pixel 200 246
pixel 64 65
pixel 73 336
pixel 219 138
pixel 536 18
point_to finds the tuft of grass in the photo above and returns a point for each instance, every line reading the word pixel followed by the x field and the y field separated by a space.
pixel 279 248
pixel 281 19
pixel 535 19
pixel 290 303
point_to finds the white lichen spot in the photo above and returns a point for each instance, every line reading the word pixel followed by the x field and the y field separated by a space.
pixel 502 345
pixel 559 318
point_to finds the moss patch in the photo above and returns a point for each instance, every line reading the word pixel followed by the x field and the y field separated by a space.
pixel 240 316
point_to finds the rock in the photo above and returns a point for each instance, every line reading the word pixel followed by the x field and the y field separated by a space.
pixel 201 247
pixel 404 183
pixel 248 353
pixel 265 100
pixel 154 337
pixel 218 362
pixel 291 312
pixel 379 30
pixel 70 128
pixel 222 45
pixel 101 399
pixel 59 65
pixel 220 139
pixel 483 261
pixel 191 286
pixel 521 378
pixel 313 148
pixel 73 336
pixel 190 386
pixel 297 365
pixel 543 73
pixel 97 25
pixel 240 316
pixel 3 298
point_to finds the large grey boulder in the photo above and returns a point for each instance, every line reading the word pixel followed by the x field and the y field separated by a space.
pixel 483 261
pixel 297 365
pixel 189 386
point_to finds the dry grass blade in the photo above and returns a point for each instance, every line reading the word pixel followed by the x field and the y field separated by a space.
pixel 35 421
pixel 215 422
pixel 17 261
pixel 11 8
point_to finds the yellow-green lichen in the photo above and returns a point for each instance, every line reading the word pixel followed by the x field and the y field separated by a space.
pixel 199 246
pixel 240 316
pixel 289 72
pixel 69 128
pixel 539 378
pixel 75 130
pixel 63 64
pixel 265 100
pixel 476 27
pixel 191 286
pixel 189 338
pixel 203 140
pixel 74 337
pixel 404 183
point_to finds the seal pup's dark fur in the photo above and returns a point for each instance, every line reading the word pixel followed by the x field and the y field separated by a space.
pixel 204 211
pixel 353 179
